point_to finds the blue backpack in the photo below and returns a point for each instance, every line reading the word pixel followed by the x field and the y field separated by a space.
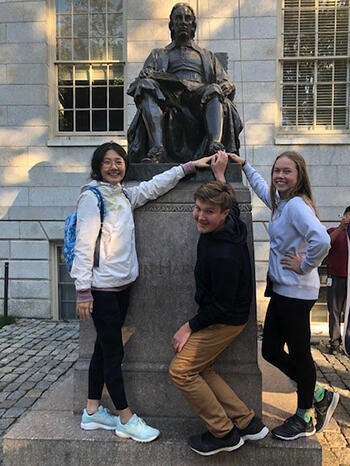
pixel 70 233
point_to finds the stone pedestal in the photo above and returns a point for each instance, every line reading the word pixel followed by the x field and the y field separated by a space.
pixel 163 299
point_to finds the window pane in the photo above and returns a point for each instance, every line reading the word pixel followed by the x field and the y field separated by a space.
pixel 115 6
pixel 80 25
pixel 289 117
pixel 97 6
pixel 64 49
pixel 326 44
pixel 80 6
pixel 65 121
pixel 116 120
pixel 63 6
pixel 289 96
pixel 341 43
pixel 83 121
pixel 99 76
pixel 98 26
pixel 323 116
pixel 305 96
pixel 67 310
pixel 340 72
pixel 81 51
pixel 305 116
pixel 82 75
pixel 290 45
pixel 99 120
pixel 116 97
pixel 306 71
pixel 324 71
pixel 99 97
pixel 65 97
pixel 98 49
pixel 324 95
pixel 289 71
pixel 116 75
pixel 340 95
pixel 82 97
pixel 307 45
pixel 340 117
pixel 64 26
pixel 65 75
pixel 115 49
pixel 115 25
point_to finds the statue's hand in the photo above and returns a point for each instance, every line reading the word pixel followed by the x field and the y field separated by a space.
pixel 227 88
pixel 146 73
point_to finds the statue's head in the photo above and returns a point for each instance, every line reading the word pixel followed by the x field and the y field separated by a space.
pixel 182 21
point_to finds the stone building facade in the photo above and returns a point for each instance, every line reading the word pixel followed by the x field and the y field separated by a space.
pixel 65 66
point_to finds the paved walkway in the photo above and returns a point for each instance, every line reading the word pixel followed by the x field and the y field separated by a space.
pixel 34 354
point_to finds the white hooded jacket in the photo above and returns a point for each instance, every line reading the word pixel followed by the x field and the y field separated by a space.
pixel 118 260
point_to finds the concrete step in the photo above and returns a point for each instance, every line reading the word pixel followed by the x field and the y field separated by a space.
pixel 50 435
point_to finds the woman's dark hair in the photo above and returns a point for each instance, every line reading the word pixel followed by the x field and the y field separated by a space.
pixel 98 155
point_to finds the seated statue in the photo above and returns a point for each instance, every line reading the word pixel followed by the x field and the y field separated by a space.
pixel 184 100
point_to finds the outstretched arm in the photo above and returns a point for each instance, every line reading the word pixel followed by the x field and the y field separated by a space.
pixel 256 181
pixel 162 183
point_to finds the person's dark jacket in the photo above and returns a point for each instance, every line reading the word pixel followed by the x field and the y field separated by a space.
pixel 223 275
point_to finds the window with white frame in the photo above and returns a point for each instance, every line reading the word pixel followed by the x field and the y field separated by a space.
pixel 315 66
pixel 89 66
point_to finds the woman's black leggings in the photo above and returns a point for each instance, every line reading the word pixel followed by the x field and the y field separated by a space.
pixel 109 311
pixel 288 321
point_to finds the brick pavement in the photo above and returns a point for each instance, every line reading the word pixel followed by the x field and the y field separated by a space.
pixel 34 354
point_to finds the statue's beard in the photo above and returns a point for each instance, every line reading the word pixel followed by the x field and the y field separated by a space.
pixel 183 35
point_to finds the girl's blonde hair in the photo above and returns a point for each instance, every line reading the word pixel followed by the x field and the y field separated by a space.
pixel 303 186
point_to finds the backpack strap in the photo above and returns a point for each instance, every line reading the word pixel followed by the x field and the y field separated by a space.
pixel 101 206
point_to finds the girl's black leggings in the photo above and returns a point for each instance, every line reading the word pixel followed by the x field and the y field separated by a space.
pixel 288 321
pixel 109 311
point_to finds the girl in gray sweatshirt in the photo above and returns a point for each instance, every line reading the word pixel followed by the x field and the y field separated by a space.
pixel 298 244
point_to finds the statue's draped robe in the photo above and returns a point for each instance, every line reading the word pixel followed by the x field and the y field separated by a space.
pixel 184 133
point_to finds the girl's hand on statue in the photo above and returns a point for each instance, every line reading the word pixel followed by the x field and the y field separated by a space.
pixel 84 310
pixel 218 165
pixel 237 159
pixel 204 162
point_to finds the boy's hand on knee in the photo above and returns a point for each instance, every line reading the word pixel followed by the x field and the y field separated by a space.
pixel 181 336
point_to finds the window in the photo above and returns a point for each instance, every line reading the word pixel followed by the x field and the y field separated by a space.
pixel 315 66
pixel 89 66
pixel 66 296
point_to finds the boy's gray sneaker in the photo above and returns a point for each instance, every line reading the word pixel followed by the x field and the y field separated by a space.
pixel 255 430
pixel 206 444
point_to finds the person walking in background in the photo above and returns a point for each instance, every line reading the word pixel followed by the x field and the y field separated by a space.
pixel 103 290
pixel 298 244
pixel 337 271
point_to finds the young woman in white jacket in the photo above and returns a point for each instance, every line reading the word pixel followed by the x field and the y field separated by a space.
pixel 103 291
pixel 298 244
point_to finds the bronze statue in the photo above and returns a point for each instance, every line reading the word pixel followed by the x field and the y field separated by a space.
pixel 184 100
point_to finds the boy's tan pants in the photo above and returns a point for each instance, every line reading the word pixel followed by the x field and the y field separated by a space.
pixel 192 372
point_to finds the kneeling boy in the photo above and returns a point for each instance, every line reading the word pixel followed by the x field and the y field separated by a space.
pixel 223 293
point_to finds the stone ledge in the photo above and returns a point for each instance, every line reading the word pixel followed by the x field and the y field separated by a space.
pixel 50 435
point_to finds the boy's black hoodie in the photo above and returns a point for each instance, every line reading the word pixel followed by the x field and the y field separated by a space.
pixel 223 275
